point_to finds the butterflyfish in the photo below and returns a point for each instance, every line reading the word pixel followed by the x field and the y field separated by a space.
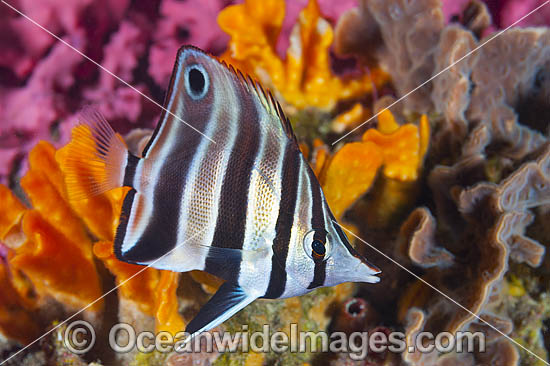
pixel 240 202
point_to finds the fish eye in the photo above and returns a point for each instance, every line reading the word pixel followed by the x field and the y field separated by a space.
pixel 196 81
pixel 316 246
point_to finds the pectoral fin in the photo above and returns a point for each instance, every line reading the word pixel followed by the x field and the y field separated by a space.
pixel 223 305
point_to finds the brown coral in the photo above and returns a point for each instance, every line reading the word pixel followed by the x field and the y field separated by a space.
pixel 501 353
pixel 410 32
pixel 451 89
pixel 496 94
pixel 419 232
pixel 354 315
pixel 494 218
pixel 496 215
pixel 498 86
pixel 476 17
pixel 504 83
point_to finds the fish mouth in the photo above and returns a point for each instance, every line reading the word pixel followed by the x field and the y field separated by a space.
pixel 362 260
pixel 365 272
pixel 375 270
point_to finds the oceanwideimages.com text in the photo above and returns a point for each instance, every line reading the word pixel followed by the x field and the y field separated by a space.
pixel 79 337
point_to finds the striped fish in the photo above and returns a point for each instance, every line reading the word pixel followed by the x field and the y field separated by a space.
pixel 242 204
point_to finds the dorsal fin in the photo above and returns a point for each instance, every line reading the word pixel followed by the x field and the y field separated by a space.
pixel 265 97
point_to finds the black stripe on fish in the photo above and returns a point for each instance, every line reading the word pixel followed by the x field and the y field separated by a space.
pixel 123 223
pixel 289 196
pixel 130 171
pixel 318 224
pixel 164 115
pixel 317 212
pixel 161 233
pixel 319 274
pixel 231 219
pixel 266 98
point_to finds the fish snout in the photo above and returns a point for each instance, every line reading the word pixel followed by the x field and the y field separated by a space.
pixel 371 267
pixel 354 268
pixel 365 271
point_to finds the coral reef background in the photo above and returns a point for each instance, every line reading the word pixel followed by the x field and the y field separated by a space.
pixel 135 40
pixel 453 182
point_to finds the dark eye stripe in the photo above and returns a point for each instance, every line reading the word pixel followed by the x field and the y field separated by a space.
pixel 318 224
pixel 159 237
pixel 317 212
pixel 319 274
pixel 320 235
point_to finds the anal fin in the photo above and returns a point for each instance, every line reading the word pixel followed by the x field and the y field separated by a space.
pixel 225 303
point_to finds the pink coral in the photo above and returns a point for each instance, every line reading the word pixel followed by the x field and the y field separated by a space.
pixel 184 22
pixel 452 8
pixel 504 12
pixel 137 42
pixel 512 10
pixel 21 126
pixel 30 44
pixel 38 71
pixel 114 99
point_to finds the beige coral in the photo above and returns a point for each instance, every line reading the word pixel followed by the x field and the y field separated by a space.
pixel 490 221
pixel 505 73
pixel 451 89
pixel 501 85
pixel 418 232
pixel 410 32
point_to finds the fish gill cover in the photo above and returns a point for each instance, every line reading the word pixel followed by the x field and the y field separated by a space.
pixel 452 182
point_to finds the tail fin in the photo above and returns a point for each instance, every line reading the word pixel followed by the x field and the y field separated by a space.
pixel 96 157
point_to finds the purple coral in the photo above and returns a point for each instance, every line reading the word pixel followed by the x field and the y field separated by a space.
pixel 504 12
pixel 3 252
pixel 512 10
pixel 114 99
pixel 44 83
pixel 46 91
pixel 184 22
